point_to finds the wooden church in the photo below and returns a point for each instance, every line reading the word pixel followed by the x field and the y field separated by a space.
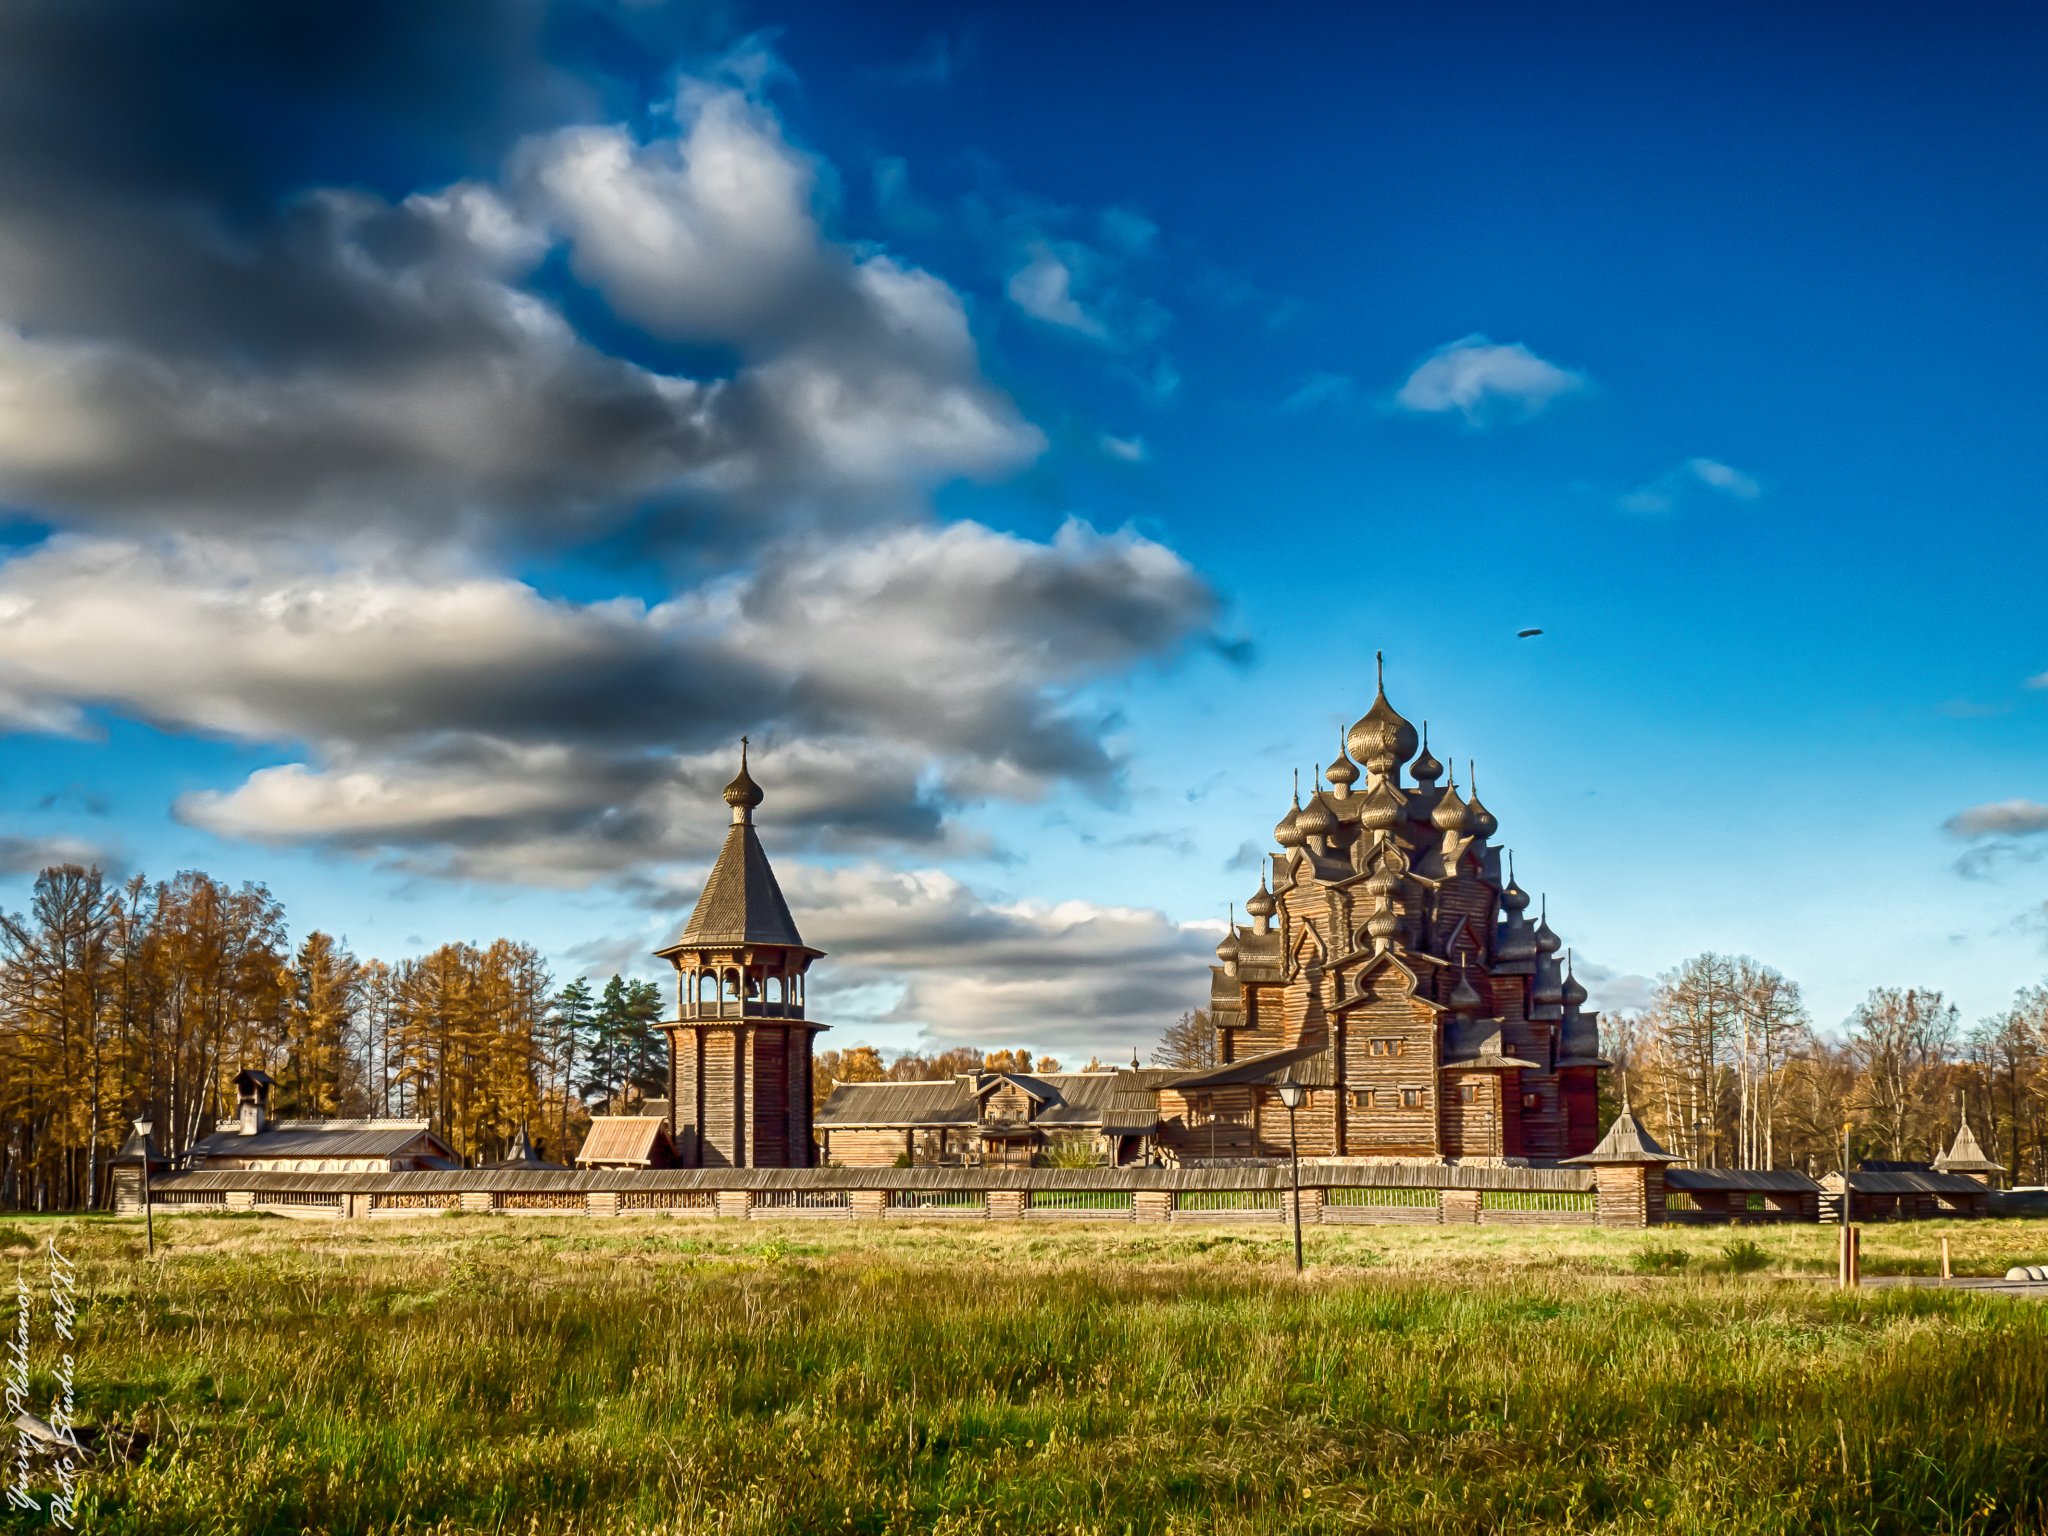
pixel 1392 968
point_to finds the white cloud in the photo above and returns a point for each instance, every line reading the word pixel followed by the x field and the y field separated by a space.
pixel 1072 976
pixel 1481 380
pixel 460 720
pixel 1670 488
pixel 1044 289
pixel 1129 449
pixel 1999 818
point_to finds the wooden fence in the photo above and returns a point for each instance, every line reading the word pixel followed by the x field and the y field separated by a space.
pixel 1330 1193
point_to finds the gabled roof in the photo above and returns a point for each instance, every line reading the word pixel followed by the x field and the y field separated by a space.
pixel 1922 1183
pixel 1625 1142
pixel 641 1140
pixel 742 904
pixel 322 1138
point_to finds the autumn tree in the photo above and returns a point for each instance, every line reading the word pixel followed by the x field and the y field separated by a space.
pixel 1189 1041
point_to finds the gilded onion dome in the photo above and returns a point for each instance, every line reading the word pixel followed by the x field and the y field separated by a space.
pixel 1381 739
pixel 1315 819
pixel 1342 773
pixel 1426 769
pixel 1546 941
pixel 1484 822
pixel 1574 995
pixel 1451 814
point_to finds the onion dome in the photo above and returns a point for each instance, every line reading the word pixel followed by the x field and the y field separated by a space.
pixel 1574 994
pixel 1315 819
pixel 1342 773
pixel 1426 768
pixel 1546 941
pixel 1260 903
pixel 1287 834
pixel 1450 814
pixel 743 794
pixel 1464 996
pixel 1383 924
pixel 1514 898
pixel 1484 822
pixel 1227 950
pixel 1381 739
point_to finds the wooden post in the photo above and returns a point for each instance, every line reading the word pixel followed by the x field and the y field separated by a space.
pixel 1842 1258
pixel 1944 1259
pixel 867 1204
pixel 1152 1205
pixel 1855 1256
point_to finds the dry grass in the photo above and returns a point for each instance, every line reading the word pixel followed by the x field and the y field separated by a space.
pixel 651 1374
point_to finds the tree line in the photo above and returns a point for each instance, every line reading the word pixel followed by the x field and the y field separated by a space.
pixel 1727 1069
pixel 146 998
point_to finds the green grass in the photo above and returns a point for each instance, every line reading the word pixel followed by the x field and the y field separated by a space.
pixel 545 1373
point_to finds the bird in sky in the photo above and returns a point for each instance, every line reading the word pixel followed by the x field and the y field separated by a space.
pixel 1523 634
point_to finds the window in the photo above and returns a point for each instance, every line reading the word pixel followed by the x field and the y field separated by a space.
pixel 1389 1047
pixel 1532 1101
pixel 1468 1093
pixel 1411 1098
pixel 1364 1098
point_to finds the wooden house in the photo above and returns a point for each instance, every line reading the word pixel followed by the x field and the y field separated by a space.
pixel 254 1142
pixel 992 1119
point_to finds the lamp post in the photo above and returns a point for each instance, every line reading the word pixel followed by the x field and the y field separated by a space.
pixel 1291 1094
pixel 142 1129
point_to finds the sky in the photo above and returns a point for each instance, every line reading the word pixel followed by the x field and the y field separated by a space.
pixel 431 436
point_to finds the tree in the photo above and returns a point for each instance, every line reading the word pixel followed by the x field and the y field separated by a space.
pixel 569 1038
pixel 1189 1041
pixel 1903 1041
pixel 317 1062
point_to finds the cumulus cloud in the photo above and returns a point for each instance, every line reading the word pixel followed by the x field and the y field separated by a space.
pixel 1484 381
pixel 407 366
pixel 1071 976
pixel 494 731
pixel 1693 476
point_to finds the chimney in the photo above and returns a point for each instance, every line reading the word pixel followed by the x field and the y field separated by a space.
pixel 252 1092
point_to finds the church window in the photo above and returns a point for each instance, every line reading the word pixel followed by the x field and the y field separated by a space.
pixel 1390 1047
pixel 1363 1098
pixel 1468 1093
pixel 1411 1098
pixel 1532 1101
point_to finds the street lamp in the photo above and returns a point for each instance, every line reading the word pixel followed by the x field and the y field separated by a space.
pixel 142 1129
pixel 1291 1094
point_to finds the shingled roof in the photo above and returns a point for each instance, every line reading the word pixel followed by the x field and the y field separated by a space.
pixel 638 1141
pixel 1966 1156
pixel 322 1139
pixel 741 904
pixel 1625 1142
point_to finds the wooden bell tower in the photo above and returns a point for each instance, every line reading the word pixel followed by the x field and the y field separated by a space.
pixel 739 1045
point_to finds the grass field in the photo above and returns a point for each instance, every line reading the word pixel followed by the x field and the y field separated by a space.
pixel 567 1374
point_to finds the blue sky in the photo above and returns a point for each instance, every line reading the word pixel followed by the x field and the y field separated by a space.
pixel 1027 425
